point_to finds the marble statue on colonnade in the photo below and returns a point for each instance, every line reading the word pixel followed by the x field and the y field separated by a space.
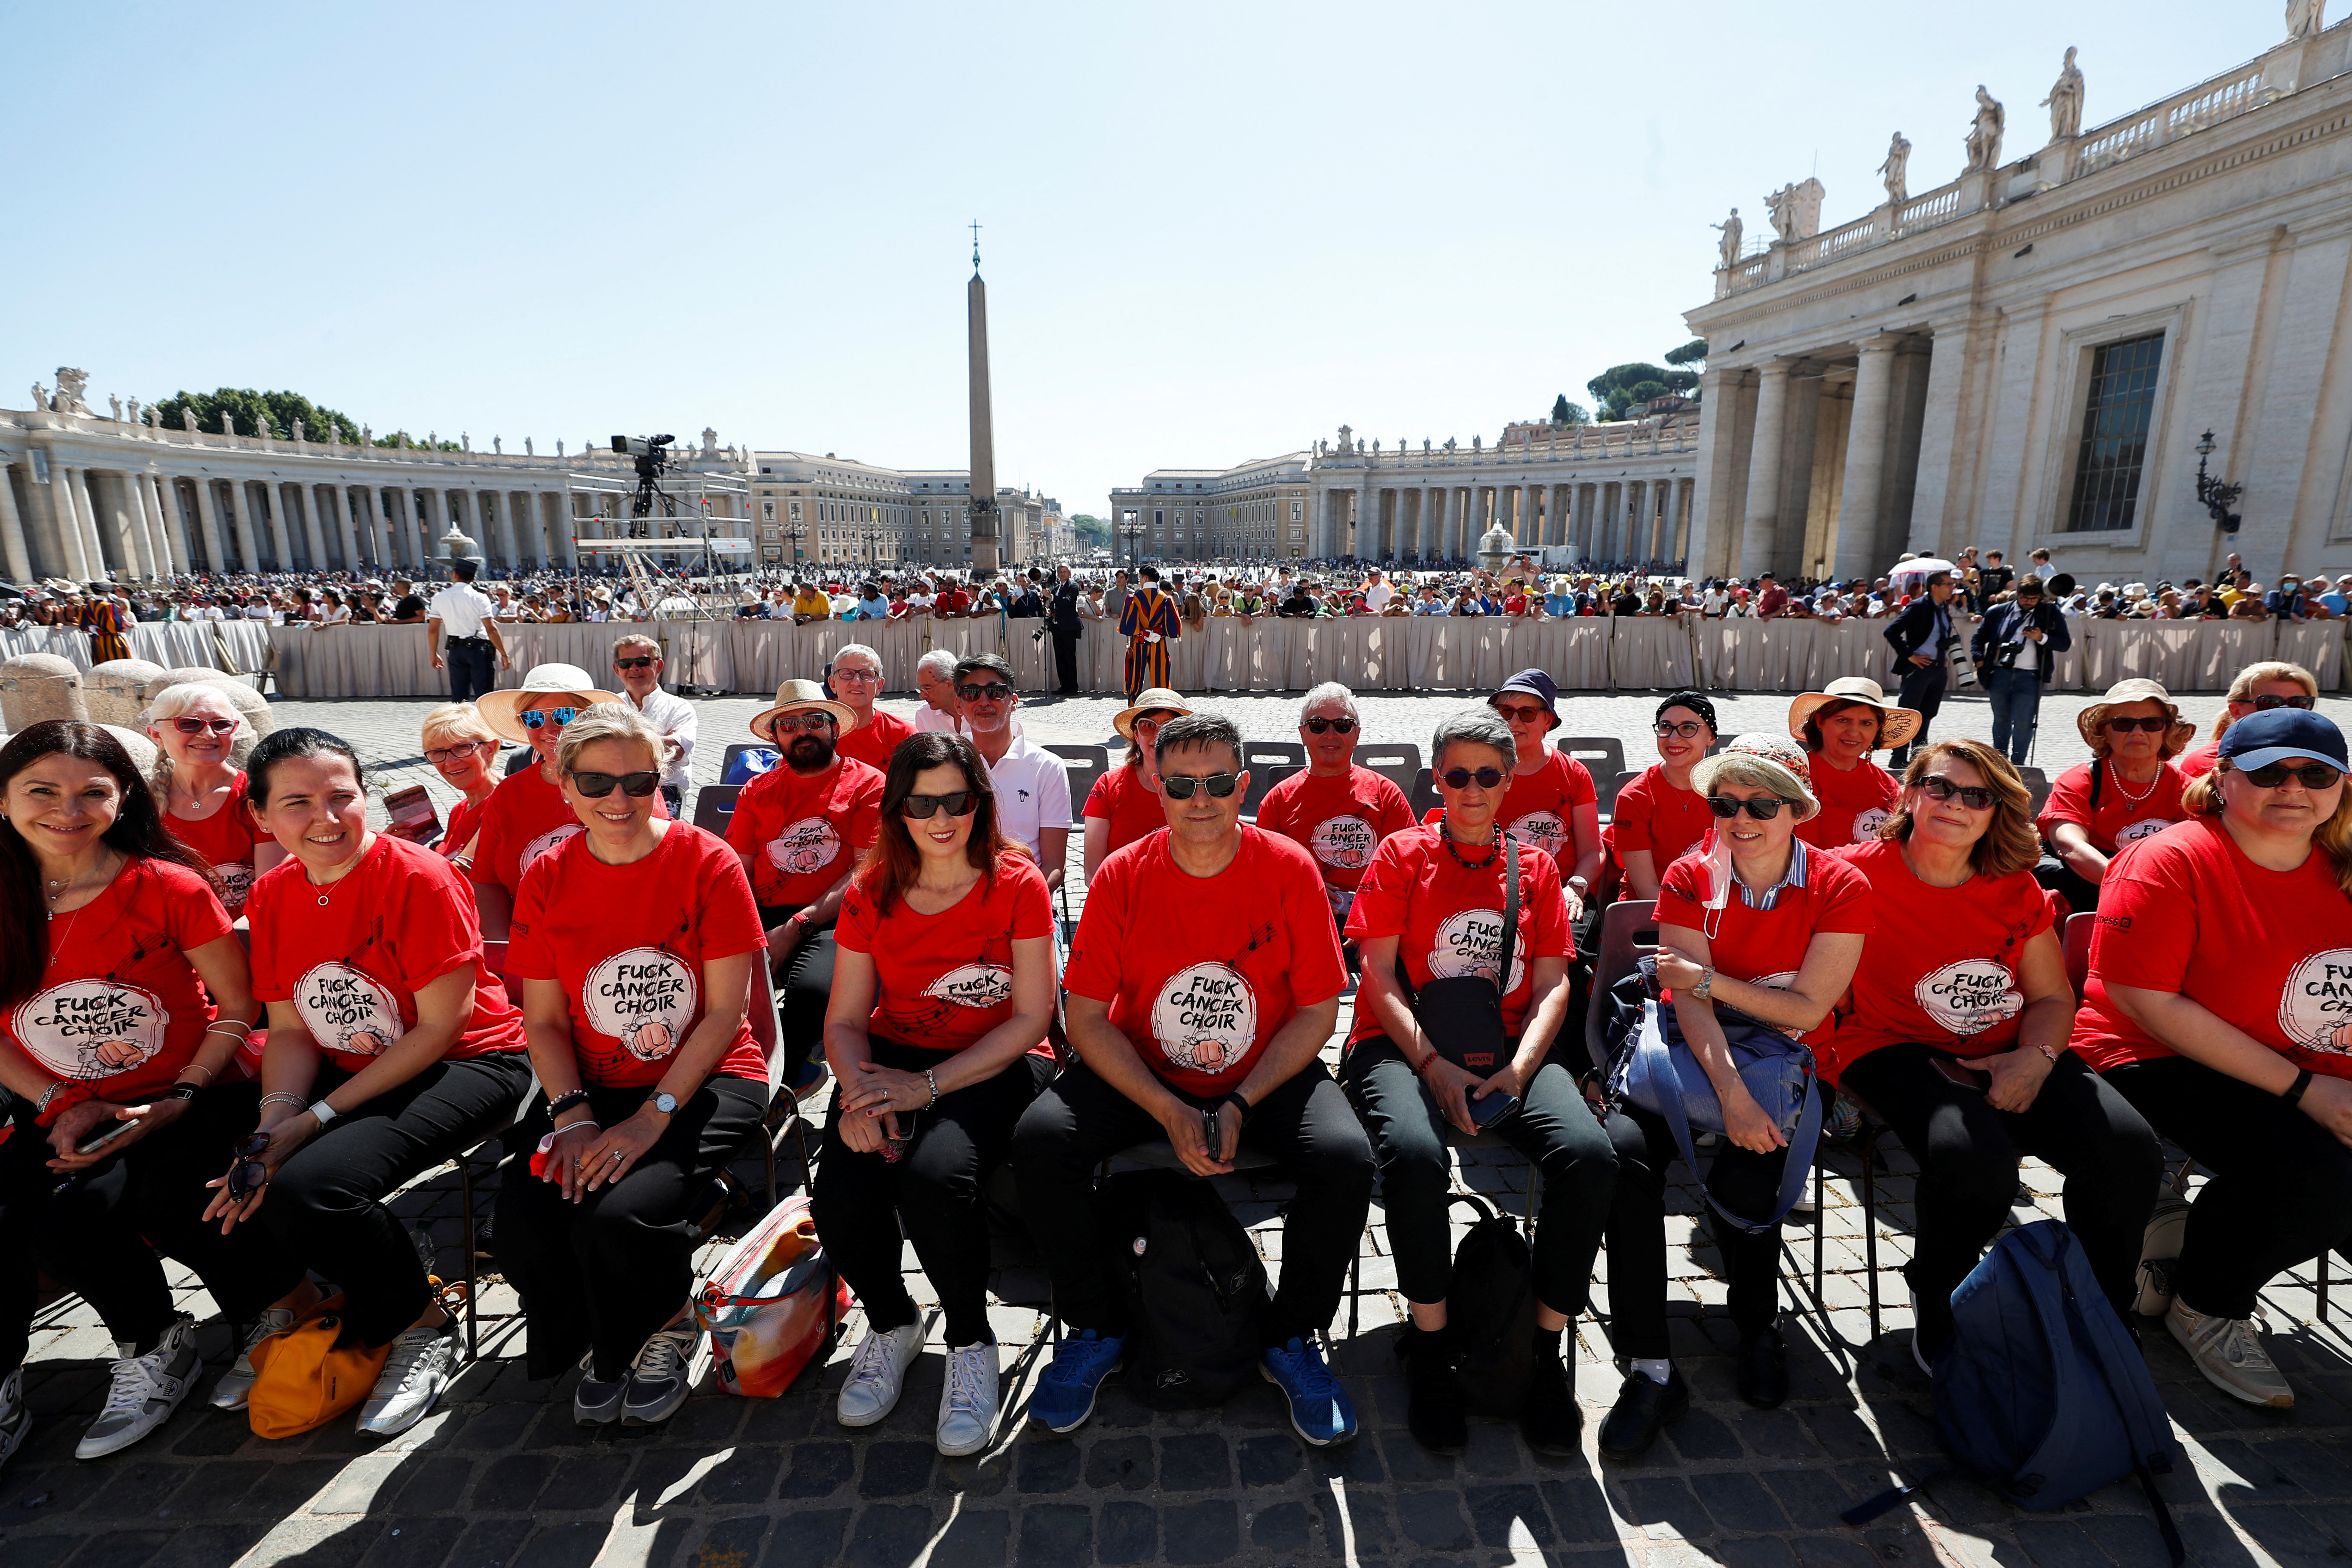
pixel 1985 131
pixel 2065 102
pixel 70 383
pixel 116 403
pixel 2304 17
pixel 1898 165
pixel 1796 210
pixel 1728 247
pixel 188 418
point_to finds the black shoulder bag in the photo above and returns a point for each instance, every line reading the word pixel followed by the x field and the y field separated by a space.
pixel 1463 1015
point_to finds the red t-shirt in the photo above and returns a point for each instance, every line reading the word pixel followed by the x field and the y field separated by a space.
pixel 226 839
pixel 803 834
pixel 1339 819
pixel 1853 804
pixel 465 821
pixel 1650 814
pixel 628 943
pixel 873 744
pixel 1940 964
pixel 1131 808
pixel 1450 918
pixel 943 981
pixel 1200 971
pixel 2119 819
pixel 2198 762
pixel 2269 952
pixel 353 955
pixel 524 818
pixel 1541 806
pixel 120 1008
pixel 1767 947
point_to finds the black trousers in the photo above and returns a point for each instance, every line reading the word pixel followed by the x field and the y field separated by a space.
pixel 1967 1154
pixel 102 1235
pixel 1553 1126
pixel 1746 1182
pixel 1922 690
pixel 1305 1123
pixel 932 1193
pixel 605 1273
pixel 2278 1189
pixel 1066 663
pixel 472 668
pixel 802 992
pixel 326 1205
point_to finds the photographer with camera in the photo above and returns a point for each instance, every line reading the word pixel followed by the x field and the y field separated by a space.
pixel 2016 649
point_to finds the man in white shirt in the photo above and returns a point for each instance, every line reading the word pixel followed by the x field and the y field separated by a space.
pixel 463 612
pixel 935 683
pixel 1377 592
pixel 638 660
pixel 1033 789
pixel 1715 602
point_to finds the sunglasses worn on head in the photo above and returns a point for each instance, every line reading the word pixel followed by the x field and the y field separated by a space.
pixel 643 661
pixel 1687 729
pixel 1974 796
pixel 1316 726
pixel 198 726
pixel 995 692
pixel 597 786
pixel 1459 778
pixel 922 807
pixel 441 755
pixel 533 718
pixel 1179 786
pixel 2315 775
pixel 2154 725
pixel 1762 808
pixel 2264 704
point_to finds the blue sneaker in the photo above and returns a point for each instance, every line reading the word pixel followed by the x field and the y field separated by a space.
pixel 1319 1409
pixel 1066 1394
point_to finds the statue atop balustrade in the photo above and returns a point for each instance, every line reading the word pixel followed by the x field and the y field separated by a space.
pixel 116 403
pixel 1796 210
pixel 1728 248
pixel 70 383
pixel 1896 168
pixel 2305 18
pixel 294 431
pixel 1985 132
pixel 2065 102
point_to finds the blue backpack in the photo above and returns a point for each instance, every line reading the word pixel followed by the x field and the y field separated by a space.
pixel 750 763
pixel 2042 1392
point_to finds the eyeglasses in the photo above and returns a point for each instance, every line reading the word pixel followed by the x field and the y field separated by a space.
pixel 1764 808
pixel 995 692
pixel 643 661
pixel 198 726
pixel 1516 714
pixel 2154 725
pixel 1687 729
pixel 1975 797
pixel 923 807
pixel 1149 725
pixel 440 755
pixel 249 1176
pixel 1459 778
pixel 2264 704
pixel 597 786
pixel 533 718
pixel 812 721
pixel 1316 726
pixel 2315 775
pixel 858 675
pixel 1179 786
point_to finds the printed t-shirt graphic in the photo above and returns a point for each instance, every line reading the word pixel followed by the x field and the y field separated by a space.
pixel 628 943
pixel 1200 973
pixel 943 981
pixel 352 956
pixel 1449 919
pixel 119 1007
pixel 2125 813
pixel 1853 804
pixel 524 818
pixel 1131 808
pixel 1767 947
pixel 1541 806
pixel 2267 952
pixel 804 833
pixel 227 840
pixel 1340 820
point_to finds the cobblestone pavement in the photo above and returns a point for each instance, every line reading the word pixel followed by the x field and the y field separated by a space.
pixel 499 1475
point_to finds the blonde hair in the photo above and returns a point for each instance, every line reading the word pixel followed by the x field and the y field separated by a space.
pixel 2333 837
pixel 454 721
pixel 609 722
pixel 2242 689
pixel 2010 843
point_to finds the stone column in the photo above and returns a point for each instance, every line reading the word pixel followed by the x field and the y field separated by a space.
pixel 565 527
pixel 437 520
pixel 1853 537
pixel 384 511
pixel 12 551
pixel 470 508
pixel 346 526
pixel 266 525
pixel 368 523
pixel 165 492
pixel 1759 524
pixel 93 546
pixel 130 528
pixel 208 523
pixel 1532 516
pixel 303 502
pixel 150 518
pixel 1669 500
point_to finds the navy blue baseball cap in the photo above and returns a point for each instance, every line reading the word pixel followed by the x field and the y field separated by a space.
pixel 2261 738
pixel 1534 683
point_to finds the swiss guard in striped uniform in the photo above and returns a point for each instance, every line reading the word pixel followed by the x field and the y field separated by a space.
pixel 1149 622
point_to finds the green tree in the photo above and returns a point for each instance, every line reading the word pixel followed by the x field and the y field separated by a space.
pixel 1563 412
pixel 1093 531
pixel 1621 386
pixel 266 413
pixel 1692 353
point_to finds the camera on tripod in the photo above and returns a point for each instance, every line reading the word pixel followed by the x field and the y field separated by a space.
pixel 653 456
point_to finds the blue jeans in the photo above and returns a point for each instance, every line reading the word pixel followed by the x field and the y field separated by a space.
pixel 2015 695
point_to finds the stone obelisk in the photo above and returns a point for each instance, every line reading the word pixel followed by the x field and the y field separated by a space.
pixel 985 538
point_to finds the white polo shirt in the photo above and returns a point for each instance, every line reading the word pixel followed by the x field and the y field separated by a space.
pixel 930 720
pixel 461 609
pixel 1033 792
pixel 674 716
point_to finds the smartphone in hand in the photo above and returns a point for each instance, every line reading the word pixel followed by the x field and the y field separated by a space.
pixel 1484 1113
pixel 103 1139
pixel 1966 1076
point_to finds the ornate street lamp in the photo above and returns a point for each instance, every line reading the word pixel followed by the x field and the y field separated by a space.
pixel 1133 531
pixel 2216 494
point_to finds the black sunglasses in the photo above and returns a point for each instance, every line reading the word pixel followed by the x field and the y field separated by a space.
pixel 1764 808
pixel 995 692
pixel 1179 786
pixel 2154 725
pixel 1459 778
pixel 643 661
pixel 922 807
pixel 2264 704
pixel 249 1176
pixel 1316 726
pixel 2315 775
pixel 1974 796
pixel 597 786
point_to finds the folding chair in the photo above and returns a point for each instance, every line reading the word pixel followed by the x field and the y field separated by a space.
pixel 1397 762
pixel 2037 783
pixel 714 808
pixel 1085 764
pixel 2079 928
pixel 521 760
pixel 1600 754
pixel 1607 786
pixel 1258 755
pixel 787 1105
pixel 1263 778
pixel 1422 793
pixel 494 959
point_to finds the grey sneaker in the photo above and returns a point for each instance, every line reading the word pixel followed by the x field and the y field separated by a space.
pixel 144 1391
pixel 596 1404
pixel 663 1375
pixel 230 1392
pixel 15 1416
pixel 420 1366
pixel 968 1403
pixel 2229 1351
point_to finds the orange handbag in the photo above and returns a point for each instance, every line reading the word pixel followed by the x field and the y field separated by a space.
pixel 302 1382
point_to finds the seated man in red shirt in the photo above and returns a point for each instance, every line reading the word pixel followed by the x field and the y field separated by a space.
pixel 870 735
pixel 1337 811
pixel 1205 979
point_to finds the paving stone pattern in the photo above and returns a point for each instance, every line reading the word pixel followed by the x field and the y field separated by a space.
pixel 500 1476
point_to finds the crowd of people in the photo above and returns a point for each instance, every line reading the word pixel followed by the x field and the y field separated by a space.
pixel 248 1102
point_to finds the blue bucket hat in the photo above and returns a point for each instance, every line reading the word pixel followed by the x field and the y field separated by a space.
pixel 1534 683
pixel 2261 738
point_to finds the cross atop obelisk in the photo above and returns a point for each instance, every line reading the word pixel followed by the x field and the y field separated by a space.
pixel 984 542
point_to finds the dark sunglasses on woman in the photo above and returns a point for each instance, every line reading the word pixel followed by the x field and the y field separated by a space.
pixel 1318 726
pixel 198 726
pixel 1459 778
pixel 2154 726
pixel 1180 787
pixel 597 786
pixel 1764 808
pixel 1974 796
pixel 922 807
pixel 2314 775
pixel 2264 704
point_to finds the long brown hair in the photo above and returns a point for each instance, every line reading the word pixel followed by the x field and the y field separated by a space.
pixel 138 831
pixel 891 867
pixel 2009 842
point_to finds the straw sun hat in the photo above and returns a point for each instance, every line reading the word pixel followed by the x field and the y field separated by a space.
pixel 1895 724
pixel 798 697
pixel 499 709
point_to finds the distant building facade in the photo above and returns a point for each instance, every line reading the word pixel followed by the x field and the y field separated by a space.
pixel 833 510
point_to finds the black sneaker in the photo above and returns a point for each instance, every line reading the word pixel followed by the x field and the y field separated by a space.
pixel 1642 1412
pixel 1762 1363
pixel 1549 1421
pixel 1432 1411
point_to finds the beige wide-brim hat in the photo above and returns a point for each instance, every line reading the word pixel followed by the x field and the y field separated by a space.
pixel 2092 721
pixel 1895 724
pixel 1153 699
pixel 499 709
pixel 798 697
pixel 1778 758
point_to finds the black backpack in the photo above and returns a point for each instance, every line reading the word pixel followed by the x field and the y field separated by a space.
pixel 1194 1284
pixel 1491 1307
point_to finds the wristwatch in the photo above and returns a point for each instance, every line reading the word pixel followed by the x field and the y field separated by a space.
pixel 666 1102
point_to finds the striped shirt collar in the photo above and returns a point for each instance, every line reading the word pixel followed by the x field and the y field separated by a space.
pixel 1764 899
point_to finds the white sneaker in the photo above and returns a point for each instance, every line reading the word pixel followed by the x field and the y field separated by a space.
pixel 968 1403
pixel 144 1392
pixel 237 1383
pixel 15 1416
pixel 2230 1352
pixel 876 1373
pixel 421 1364
pixel 663 1374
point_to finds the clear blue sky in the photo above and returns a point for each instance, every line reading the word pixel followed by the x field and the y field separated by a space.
pixel 1213 231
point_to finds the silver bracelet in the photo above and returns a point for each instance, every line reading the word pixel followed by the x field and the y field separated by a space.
pixel 296 1100
pixel 935 1087
pixel 50 1094
pixel 239 1031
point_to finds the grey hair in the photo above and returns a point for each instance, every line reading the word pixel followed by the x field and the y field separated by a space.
pixel 1479 726
pixel 1189 730
pixel 845 649
pixel 1330 691
pixel 939 664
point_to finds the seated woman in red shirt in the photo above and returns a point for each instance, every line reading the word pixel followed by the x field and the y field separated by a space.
pixel 1841 725
pixel 123 996
pixel 1659 816
pixel 2218 1005
pixel 2127 790
pixel 2259 687
pixel 1431 907
pixel 1779 945
pixel 464 753
pixel 202 794
pixel 634 942
pixel 1958 1036
pixel 1124 804
pixel 942 992
pixel 392 1050
pixel 1551 804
